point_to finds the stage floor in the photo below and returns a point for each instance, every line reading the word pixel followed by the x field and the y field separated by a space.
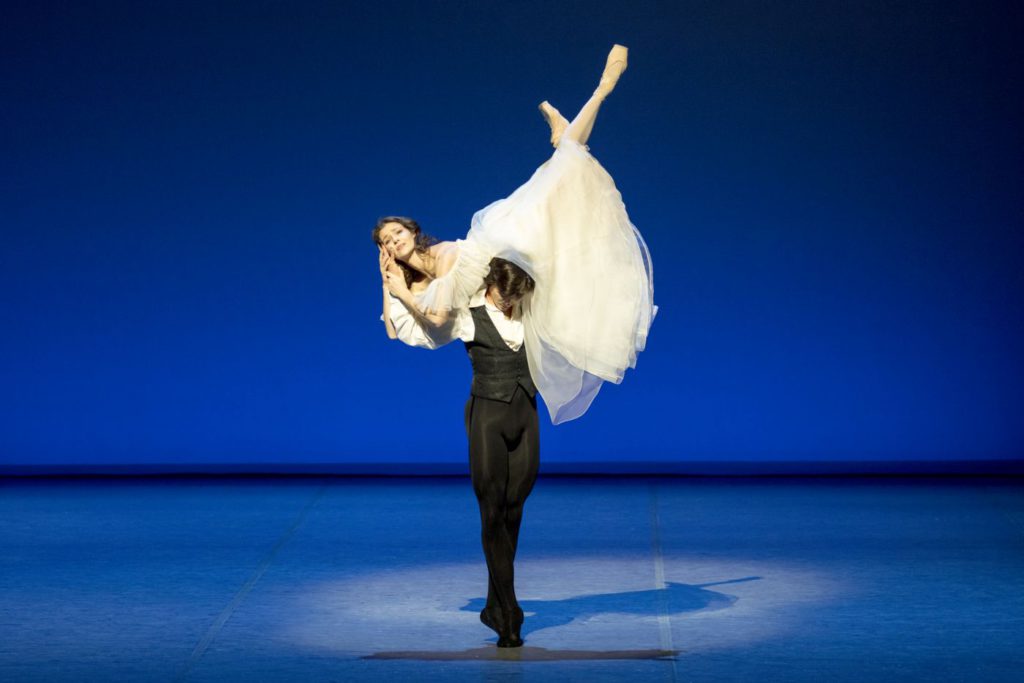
pixel 661 579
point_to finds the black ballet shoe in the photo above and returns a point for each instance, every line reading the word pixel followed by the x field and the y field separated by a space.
pixel 511 627
pixel 490 620
pixel 510 641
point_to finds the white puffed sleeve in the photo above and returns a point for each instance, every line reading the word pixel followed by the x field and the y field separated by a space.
pixel 411 332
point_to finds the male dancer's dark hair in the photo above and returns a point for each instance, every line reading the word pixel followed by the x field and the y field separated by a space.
pixel 511 281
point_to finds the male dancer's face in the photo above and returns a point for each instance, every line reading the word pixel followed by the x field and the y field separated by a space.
pixel 506 305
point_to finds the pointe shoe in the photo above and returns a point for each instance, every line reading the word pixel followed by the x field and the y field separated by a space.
pixel 613 69
pixel 555 120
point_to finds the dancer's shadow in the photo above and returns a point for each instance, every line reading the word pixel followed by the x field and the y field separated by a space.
pixel 673 599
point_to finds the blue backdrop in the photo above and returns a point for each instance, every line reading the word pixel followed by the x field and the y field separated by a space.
pixel 831 193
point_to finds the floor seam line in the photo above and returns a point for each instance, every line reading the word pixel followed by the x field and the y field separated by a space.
pixel 664 622
pixel 239 597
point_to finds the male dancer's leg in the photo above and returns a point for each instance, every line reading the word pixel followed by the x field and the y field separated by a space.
pixel 504 457
pixel 491 610
pixel 489 470
pixel 523 463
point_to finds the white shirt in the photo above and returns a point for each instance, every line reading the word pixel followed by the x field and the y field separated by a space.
pixel 461 327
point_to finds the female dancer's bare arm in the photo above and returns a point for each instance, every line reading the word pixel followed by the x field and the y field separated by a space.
pixel 438 262
pixel 385 266
pixel 396 286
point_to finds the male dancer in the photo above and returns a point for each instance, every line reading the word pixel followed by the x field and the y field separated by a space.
pixel 502 426
pixel 504 437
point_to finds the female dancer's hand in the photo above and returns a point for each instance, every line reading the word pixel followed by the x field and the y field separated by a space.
pixel 395 282
pixel 391 274
pixel 386 263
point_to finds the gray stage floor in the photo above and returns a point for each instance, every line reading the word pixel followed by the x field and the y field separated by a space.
pixel 334 579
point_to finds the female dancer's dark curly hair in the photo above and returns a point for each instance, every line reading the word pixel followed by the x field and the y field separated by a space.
pixel 421 243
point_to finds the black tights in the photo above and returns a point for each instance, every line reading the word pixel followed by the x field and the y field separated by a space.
pixel 504 454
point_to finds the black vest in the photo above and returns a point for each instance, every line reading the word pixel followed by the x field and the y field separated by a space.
pixel 497 369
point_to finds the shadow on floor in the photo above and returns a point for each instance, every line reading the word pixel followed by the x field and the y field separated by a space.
pixel 675 598
pixel 524 654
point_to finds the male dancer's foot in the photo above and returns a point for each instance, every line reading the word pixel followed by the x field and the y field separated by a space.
pixel 491 619
pixel 555 120
pixel 511 627
pixel 507 630
pixel 510 641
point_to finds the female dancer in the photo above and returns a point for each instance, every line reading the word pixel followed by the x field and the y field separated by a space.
pixel 566 227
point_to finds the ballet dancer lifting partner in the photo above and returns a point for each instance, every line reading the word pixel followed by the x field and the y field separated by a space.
pixel 552 292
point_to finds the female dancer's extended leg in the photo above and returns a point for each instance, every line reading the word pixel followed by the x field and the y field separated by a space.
pixel 579 129
pixel 581 126
pixel 555 120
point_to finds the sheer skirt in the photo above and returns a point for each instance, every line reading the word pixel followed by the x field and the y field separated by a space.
pixel 589 315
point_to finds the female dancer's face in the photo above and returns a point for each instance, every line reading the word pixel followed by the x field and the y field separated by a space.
pixel 398 240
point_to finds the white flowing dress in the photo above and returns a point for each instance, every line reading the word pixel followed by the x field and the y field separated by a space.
pixel 591 309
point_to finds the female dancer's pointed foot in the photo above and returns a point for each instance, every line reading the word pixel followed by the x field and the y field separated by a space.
pixel 555 120
pixel 613 69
